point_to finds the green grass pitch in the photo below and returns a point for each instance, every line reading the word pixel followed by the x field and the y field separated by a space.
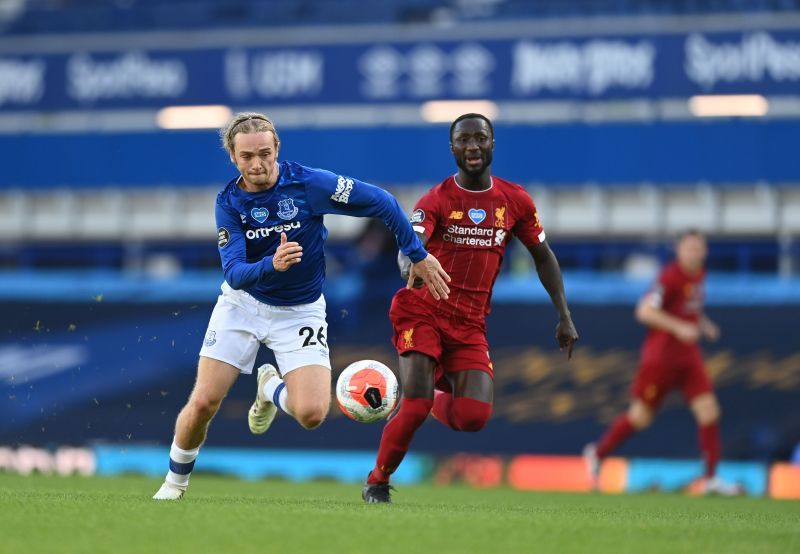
pixel 219 515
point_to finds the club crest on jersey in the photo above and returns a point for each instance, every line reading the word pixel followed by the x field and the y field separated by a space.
pixel 476 215
pixel 287 209
pixel 500 217
pixel 259 214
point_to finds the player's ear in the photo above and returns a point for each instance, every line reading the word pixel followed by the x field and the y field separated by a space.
pixel 233 160
pixel 451 148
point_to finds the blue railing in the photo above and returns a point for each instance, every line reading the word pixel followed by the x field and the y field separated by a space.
pixel 203 286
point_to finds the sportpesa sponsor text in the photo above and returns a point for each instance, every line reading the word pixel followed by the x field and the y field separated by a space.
pixel 264 232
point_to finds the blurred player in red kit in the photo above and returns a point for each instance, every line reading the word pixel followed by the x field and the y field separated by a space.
pixel 671 359
pixel 445 369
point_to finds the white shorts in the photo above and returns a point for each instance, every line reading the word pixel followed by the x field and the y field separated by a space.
pixel 297 335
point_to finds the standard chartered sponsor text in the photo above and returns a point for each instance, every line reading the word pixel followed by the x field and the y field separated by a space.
pixel 469 236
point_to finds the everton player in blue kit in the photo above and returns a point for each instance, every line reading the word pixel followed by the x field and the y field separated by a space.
pixel 270 238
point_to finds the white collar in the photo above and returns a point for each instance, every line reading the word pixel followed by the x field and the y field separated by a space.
pixel 491 184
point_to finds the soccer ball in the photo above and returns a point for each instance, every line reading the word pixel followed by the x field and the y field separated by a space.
pixel 366 391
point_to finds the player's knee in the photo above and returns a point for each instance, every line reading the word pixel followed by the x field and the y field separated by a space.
pixel 641 422
pixel 707 411
pixel 640 416
pixel 470 415
pixel 310 416
pixel 204 406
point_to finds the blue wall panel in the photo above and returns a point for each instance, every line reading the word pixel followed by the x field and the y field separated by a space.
pixel 721 151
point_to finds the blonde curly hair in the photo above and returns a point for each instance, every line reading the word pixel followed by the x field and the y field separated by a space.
pixel 246 122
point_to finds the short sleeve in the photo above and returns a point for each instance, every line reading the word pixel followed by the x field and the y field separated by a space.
pixel 426 214
pixel 662 290
pixel 528 228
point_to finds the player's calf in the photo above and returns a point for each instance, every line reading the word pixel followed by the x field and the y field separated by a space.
pixel 308 391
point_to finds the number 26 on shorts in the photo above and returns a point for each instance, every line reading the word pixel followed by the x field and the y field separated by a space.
pixel 313 337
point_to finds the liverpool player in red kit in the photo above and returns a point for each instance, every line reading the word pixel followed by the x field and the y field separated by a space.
pixel 445 369
pixel 671 359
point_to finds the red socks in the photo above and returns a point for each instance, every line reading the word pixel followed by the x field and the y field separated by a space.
pixel 459 413
pixel 397 435
pixel 710 446
pixel 621 429
pixel 442 404
pixel 618 433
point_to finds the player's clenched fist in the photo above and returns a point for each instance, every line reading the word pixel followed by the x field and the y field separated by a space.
pixel 287 254
pixel 433 275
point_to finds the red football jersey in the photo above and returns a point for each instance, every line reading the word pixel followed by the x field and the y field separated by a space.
pixel 468 232
pixel 680 295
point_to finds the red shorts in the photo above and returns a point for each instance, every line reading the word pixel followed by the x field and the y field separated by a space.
pixel 658 375
pixel 456 344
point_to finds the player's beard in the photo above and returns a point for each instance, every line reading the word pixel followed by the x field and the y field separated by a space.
pixel 461 162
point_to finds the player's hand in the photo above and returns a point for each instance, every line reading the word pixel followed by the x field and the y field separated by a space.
pixel 404 263
pixel 432 274
pixel 287 254
pixel 687 332
pixel 566 335
pixel 709 330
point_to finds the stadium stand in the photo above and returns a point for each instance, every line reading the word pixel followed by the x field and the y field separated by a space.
pixel 80 16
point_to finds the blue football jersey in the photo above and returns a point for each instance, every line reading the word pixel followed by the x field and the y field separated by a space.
pixel 249 227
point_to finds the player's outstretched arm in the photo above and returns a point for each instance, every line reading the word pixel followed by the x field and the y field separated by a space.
pixel 550 275
pixel 357 198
